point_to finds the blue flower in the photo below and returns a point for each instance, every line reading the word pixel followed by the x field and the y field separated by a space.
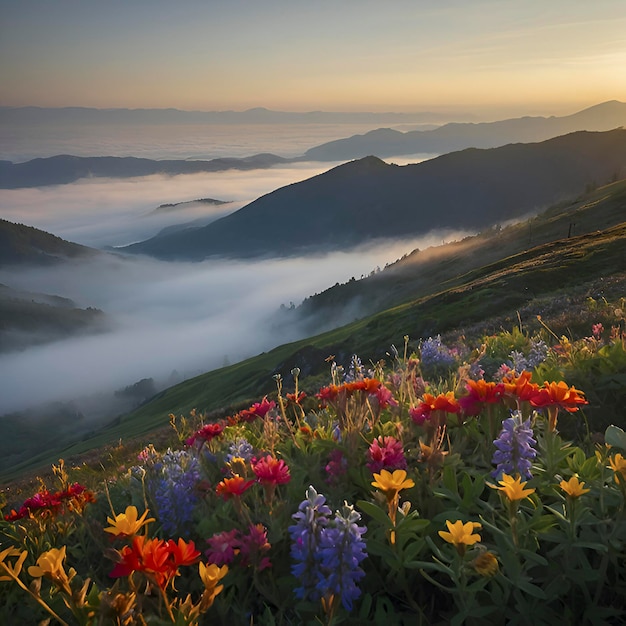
pixel 312 516
pixel 173 489
pixel 240 448
pixel 341 550
pixel 514 447
pixel 328 552
pixel 435 356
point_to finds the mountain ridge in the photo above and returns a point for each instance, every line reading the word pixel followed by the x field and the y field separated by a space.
pixel 367 200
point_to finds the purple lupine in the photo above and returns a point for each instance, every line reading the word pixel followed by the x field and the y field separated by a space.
pixel 240 448
pixel 173 488
pixel 328 552
pixel 435 356
pixel 514 447
pixel 312 516
pixel 341 550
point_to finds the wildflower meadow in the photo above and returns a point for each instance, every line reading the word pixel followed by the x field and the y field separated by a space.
pixel 480 482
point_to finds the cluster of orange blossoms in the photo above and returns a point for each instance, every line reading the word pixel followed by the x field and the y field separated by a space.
pixel 157 558
pixel 514 388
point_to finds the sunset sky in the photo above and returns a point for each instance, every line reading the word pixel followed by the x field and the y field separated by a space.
pixel 494 57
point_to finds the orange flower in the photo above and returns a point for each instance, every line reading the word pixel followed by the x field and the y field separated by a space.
pixel 235 486
pixel 480 392
pixel 445 402
pixel 520 386
pixel 559 395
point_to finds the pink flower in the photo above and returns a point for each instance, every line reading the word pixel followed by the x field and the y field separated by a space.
pixel 337 465
pixel 271 471
pixel 386 453
pixel 597 330
pixel 253 546
pixel 223 548
pixel 385 397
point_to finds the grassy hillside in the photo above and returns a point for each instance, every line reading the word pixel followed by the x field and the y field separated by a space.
pixel 546 279
pixel 416 274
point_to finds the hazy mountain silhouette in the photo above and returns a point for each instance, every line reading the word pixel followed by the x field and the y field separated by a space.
pixel 385 142
pixel 25 245
pixel 368 199
pixel 65 168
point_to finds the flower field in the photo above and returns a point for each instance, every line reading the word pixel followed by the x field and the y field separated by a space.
pixel 448 484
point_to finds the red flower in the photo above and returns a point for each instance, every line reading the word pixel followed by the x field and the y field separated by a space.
pixel 258 409
pixel 328 394
pixel 559 395
pixel 183 553
pixel 385 397
pixel 271 471
pixel 296 399
pixel 157 558
pixel 206 433
pixel 235 486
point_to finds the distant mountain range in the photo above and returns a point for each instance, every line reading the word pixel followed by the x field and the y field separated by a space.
pixel 367 199
pixel 385 142
pixel 257 115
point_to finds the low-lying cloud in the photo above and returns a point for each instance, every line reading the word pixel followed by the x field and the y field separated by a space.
pixel 188 317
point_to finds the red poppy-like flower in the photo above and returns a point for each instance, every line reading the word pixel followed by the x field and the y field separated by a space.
pixel 480 392
pixel 206 433
pixel 271 471
pixel 296 399
pixel 182 552
pixel 386 453
pixel 151 556
pixel 235 486
pixel 328 394
pixel 223 547
pixel 258 409
pixel 445 402
pixel 560 395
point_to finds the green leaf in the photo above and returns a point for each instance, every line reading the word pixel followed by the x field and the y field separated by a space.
pixel 616 437
pixel 375 512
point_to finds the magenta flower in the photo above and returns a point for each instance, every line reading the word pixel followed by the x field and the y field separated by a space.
pixel 254 546
pixel 337 465
pixel 223 547
pixel 386 453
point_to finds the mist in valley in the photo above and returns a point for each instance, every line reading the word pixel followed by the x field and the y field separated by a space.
pixel 166 320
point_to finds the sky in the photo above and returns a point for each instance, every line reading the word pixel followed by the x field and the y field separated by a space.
pixel 490 57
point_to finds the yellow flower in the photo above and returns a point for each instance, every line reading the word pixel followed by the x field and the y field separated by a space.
pixel 618 465
pixel 513 488
pixel 12 570
pixel 461 534
pixel 127 524
pixel 390 483
pixel 573 487
pixel 486 564
pixel 210 575
pixel 50 565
